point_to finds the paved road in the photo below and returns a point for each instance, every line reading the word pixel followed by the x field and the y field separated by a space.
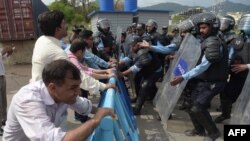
pixel 149 128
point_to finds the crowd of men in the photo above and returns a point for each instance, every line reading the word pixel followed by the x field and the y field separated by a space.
pixel 64 74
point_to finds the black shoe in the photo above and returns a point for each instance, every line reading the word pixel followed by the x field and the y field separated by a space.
pixel 212 137
pixel 221 118
pixel 136 111
pixel 194 132
pixel 133 100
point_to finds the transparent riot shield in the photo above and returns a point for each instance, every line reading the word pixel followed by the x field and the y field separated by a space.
pixel 241 110
pixel 186 58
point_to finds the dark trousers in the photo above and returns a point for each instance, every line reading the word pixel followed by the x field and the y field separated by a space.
pixel 3 100
pixel 233 88
pixel 231 93
pixel 201 97
pixel 145 89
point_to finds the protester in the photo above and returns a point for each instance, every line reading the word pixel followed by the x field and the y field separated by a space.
pixel 89 57
pixel 38 109
pixel 4 52
pixel 75 53
pixel 47 49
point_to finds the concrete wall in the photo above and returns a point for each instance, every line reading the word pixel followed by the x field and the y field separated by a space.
pixel 23 51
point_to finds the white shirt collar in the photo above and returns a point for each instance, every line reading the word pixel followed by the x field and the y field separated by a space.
pixel 54 40
pixel 48 100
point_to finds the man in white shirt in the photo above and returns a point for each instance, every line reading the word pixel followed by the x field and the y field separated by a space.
pixel 3 100
pixel 38 109
pixel 47 49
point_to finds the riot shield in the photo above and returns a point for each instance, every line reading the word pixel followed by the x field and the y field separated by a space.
pixel 241 110
pixel 186 59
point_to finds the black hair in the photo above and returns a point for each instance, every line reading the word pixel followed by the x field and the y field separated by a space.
pixel 56 72
pixel 49 21
pixel 85 34
pixel 77 44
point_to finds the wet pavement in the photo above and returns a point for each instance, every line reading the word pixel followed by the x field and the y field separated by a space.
pixel 149 127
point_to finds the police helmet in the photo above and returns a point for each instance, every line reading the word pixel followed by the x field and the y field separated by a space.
pixel 164 27
pixel 186 26
pixel 152 23
pixel 226 23
pixel 103 24
pixel 133 25
pixel 140 26
pixel 208 18
pixel 244 24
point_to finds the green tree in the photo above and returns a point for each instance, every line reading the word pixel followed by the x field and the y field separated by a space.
pixel 67 10
pixel 75 11
pixel 177 19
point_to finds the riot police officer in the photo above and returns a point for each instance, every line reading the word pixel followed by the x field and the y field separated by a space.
pixel 164 30
pixel 151 28
pixel 147 71
pixel 209 76
pixel 104 40
pixel 239 64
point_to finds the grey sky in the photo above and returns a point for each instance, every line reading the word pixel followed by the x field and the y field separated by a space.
pixel 205 3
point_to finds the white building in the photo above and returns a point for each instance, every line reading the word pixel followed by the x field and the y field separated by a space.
pixel 124 19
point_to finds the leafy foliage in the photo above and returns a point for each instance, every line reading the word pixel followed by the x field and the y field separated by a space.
pixel 177 19
pixel 68 10
pixel 75 11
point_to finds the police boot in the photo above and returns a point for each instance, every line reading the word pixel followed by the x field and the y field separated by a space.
pixel 226 107
pixel 198 129
pixel 133 100
pixel 206 120
pixel 138 106
pixel 152 93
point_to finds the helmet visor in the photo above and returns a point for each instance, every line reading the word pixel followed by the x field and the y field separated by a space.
pixel 104 24
pixel 224 24
pixel 244 22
